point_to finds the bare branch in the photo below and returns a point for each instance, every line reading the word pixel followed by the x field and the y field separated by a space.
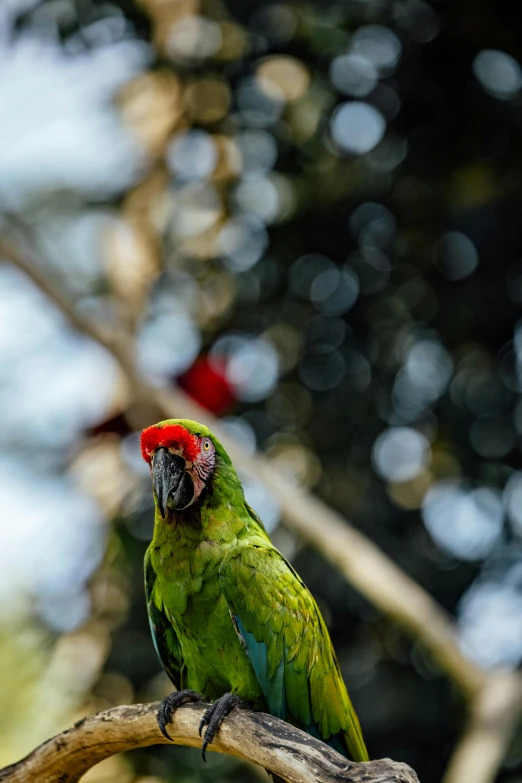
pixel 119 345
pixel 480 752
pixel 491 724
pixel 273 744
pixel 376 576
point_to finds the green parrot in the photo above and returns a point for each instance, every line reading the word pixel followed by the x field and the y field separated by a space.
pixel 231 620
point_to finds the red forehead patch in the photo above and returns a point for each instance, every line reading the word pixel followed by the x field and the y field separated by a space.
pixel 172 436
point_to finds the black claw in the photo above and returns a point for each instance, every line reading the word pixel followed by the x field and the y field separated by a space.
pixel 161 724
pixel 206 717
pixel 163 718
pixel 170 704
pixel 215 715
pixel 164 730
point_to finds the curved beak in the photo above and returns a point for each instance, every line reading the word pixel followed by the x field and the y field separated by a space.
pixel 167 472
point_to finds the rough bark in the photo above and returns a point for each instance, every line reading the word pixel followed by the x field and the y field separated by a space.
pixel 267 741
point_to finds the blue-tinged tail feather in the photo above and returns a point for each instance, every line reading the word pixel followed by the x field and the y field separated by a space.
pixel 273 687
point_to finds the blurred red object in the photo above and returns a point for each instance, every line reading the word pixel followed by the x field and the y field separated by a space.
pixel 207 384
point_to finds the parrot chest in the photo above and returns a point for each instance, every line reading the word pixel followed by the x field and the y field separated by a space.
pixel 213 658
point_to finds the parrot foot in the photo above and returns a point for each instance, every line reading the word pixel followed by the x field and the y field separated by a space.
pixel 215 715
pixel 170 704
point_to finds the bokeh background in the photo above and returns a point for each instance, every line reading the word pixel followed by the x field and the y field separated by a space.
pixel 307 216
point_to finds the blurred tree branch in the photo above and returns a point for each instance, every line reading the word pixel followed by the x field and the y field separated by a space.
pixel 376 576
pixel 119 345
pixel 493 715
pixel 368 569
pixel 254 736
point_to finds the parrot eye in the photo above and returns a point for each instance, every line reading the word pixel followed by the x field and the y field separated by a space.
pixel 206 444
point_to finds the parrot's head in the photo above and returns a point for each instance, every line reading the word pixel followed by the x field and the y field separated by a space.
pixel 182 456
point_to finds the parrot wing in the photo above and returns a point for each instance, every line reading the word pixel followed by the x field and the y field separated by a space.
pixel 257 520
pixel 287 643
pixel 164 636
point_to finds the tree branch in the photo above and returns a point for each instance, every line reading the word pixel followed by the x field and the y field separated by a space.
pixel 273 744
pixel 491 725
pixel 376 576
pixel 120 346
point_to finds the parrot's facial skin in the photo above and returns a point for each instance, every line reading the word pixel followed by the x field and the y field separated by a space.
pixel 180 463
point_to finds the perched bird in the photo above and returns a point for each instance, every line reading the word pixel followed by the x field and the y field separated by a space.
pixel 231 620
